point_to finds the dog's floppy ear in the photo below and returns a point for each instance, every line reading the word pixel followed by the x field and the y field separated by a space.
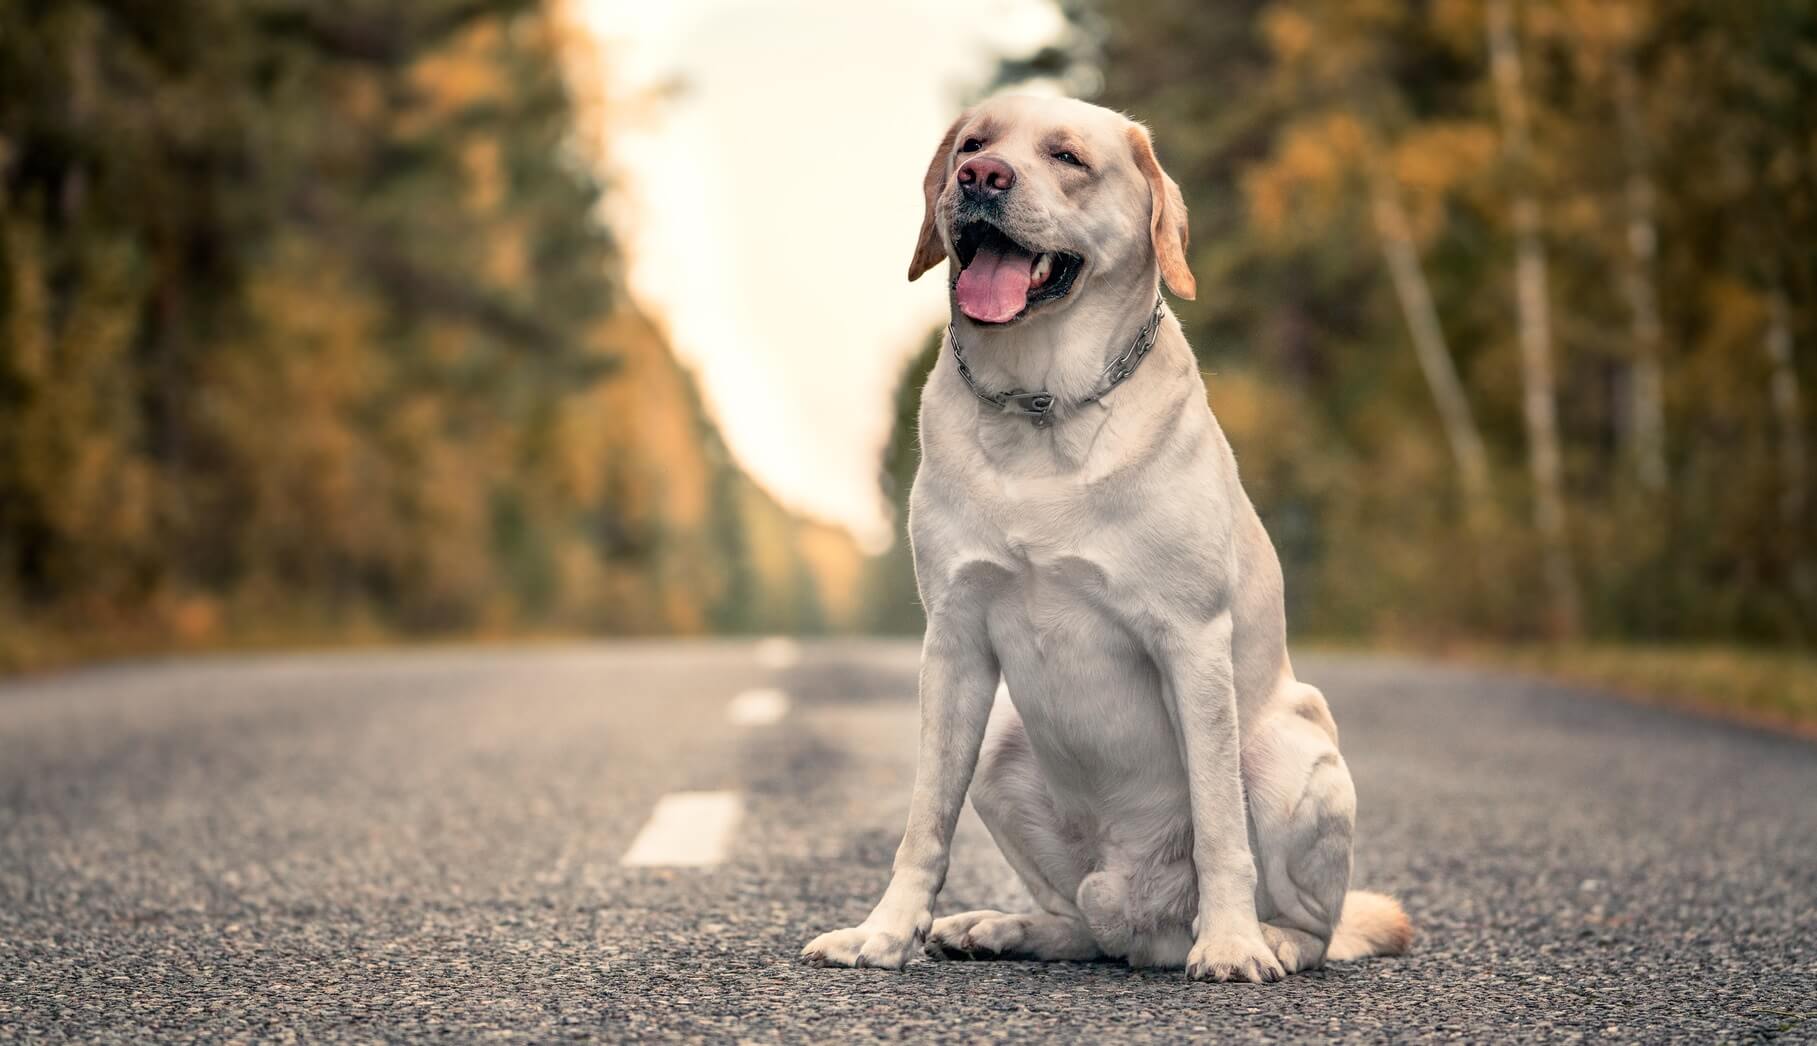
pixel 1167 216
pixel 929 251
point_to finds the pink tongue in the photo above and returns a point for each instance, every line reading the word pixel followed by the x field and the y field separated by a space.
pixel 994 287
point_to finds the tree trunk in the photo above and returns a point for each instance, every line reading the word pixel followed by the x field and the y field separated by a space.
pixel 1788 413
pixel 1410 286
pixel 1538 402
pixel 1646 435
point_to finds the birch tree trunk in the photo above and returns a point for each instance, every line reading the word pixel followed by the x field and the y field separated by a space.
pixel 1646 414
pixel 1410 287
pixel 1539 406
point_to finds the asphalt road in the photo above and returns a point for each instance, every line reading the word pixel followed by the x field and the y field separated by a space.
pixel 423 843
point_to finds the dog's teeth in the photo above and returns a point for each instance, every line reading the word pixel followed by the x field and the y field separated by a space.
pixel 1044 266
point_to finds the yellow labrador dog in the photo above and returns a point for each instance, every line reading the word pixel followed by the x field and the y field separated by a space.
pixel 1168 791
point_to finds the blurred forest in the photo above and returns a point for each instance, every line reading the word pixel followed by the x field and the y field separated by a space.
pixel 312 328
pixel 1506 306
pixel 311 325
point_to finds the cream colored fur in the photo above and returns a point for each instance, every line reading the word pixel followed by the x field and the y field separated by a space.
pixel 1167 789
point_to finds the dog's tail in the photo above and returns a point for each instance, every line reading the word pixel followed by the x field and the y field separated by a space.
pixel 1372 924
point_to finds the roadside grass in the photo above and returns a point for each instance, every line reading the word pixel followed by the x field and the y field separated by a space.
pixel 1773 688
pixel 33 648
pixel 28 648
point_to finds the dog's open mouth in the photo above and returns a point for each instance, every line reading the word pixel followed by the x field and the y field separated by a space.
pixel 999 279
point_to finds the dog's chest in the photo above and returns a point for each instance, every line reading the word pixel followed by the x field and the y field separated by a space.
pixel 1062 551
pixel 1068 636
pixel 1066 567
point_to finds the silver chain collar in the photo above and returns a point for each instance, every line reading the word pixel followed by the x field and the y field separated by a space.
pixel 1038 407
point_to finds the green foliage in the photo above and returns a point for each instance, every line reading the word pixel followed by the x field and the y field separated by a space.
pixel 893 605
pixel 308 318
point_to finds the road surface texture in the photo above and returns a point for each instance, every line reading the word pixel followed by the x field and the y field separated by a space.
pixel 432 842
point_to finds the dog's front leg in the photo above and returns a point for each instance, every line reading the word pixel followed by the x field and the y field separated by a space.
pixel 958 681
pixel 1201 688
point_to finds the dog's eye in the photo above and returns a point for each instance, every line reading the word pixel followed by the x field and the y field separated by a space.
pixel 971 145
pixel 1068 158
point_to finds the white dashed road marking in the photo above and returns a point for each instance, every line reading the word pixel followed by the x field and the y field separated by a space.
pixel 758 707
pixel 686 830
pixel 694 829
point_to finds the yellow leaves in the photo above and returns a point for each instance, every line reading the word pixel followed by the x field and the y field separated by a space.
pixel 1435 160
pixel 1579 214
pixel 654 416
pixel 70 435
pixel 1268 200
pixel 507 262
pixel 573 466
pixel 837 567
pixel 1603 24
pixel 1438 156
pixel 284 408
pixel 1289 33
pixel 1732 343
pixel 28 307
pixel 361 96
pixel 464 74
pixel 1459 23
pixel 195 619
pixel 1274 431
pixel 482 161
pixel 1328 149
pixel 1329 40
pixel 1599 35
pixel 1309 170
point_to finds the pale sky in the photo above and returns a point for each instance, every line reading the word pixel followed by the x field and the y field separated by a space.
pixel 770 210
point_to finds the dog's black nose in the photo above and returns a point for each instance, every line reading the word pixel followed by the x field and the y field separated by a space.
pixel 985 177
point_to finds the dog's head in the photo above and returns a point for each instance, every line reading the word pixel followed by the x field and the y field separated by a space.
pixel 1035 199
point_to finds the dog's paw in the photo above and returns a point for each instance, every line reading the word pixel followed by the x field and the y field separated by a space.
pixel 1233 957
pixel 864 946
pixel 1296 949
pixel 985 933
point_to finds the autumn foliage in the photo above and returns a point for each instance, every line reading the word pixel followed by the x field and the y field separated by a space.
pixel 1506 306
pixel 308 326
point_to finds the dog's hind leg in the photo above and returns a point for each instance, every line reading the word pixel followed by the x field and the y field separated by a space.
pixel 1013 802
pixel 1302 808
